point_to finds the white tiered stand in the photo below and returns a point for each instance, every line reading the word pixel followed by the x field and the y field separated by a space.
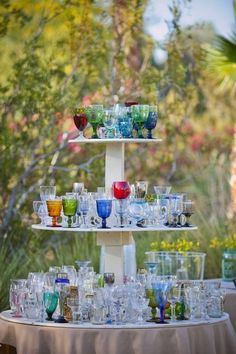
pixel 114 239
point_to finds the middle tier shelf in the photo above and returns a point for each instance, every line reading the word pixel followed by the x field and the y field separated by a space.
pixel 114 229
pixel 114 140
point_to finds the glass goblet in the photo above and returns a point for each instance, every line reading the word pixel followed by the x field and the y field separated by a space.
pixel 126 127
pixel 40 209
pixel 104 207
pixel 151 121
pixel 95 114
pixel 160 290
pixel 83 208
pixel 139 113
pixel 109 122
pixel 121 189
pixel 121 207
pixel 50 300
pixel 54 210
pixel 47 192
pixel 69 208
pixel 136 210
pixel 81 121
pixel 188 210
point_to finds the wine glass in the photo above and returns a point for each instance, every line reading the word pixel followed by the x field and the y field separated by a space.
pixel 81 121
pixel 47 192
pixel 50 300
pixel 109 122
pixel 95 114
pixel 139 113
pixel 54 210
pixel 83 208
pixel 121 189
pixel 188 210
pixel 126 126
pixel 176 209
pixel 78 187
pixel 161 290
pixel 151 121
pixel 40 209
pixel 69 204
pixel 121 207
pixel 104 207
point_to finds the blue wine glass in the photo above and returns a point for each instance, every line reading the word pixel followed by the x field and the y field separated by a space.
pixel 151 121
pixel 104 207
pixel 161 290
pixel 126 127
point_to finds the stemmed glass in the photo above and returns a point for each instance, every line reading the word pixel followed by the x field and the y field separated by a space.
pixel 54 210
pixel 81 121
pixel 95 114
pixel 161 290
pixel 172 298
pixel 40 209
pixel 69 207
pixel 50 300
pixel 151 121
pixel 78 187
pixel 136 210
pixel 176 209
pixel 83 208
pixel 121 191
pixel 104 207
pixel 109 122
pixel 139 113
pixel 188 210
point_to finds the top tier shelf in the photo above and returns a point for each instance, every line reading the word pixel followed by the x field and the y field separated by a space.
pixel 105 141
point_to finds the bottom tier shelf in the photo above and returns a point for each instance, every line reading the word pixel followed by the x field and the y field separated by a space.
pixel 114 229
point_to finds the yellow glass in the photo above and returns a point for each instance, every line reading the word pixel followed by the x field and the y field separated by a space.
pixel 54 210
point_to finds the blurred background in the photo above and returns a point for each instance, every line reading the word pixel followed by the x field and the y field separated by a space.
pixel 56 54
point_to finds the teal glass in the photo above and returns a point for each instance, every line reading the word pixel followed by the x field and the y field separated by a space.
pixel 139 114
pixel 50 300
pixel 126 127
pixel 109 122
pixel 95 114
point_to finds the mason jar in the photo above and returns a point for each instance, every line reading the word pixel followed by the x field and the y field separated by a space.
pixel 229 265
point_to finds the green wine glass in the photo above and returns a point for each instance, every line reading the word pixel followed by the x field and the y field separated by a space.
pixel 69 204
pixel 139 113
pixel 95 114
pixel 50 300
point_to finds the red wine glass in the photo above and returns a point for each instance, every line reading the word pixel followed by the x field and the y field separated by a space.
pixel 81 121
pixel 121 189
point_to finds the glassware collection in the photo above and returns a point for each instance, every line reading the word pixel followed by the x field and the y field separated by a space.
pixel 64 294
pixel 120 121
pixel 123 206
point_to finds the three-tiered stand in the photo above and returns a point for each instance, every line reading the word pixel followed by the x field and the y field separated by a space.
pixel 113 240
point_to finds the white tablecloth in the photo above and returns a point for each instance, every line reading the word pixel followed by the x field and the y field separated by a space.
pixel 213 337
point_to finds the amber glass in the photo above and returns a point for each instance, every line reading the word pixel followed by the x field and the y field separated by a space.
pixel 54 210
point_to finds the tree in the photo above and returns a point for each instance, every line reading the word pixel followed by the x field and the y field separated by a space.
pixel 221 63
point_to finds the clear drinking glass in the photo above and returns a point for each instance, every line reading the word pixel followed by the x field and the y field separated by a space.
pixel 40 209
pixel 47 192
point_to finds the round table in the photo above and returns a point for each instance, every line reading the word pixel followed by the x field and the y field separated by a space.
pixel 216 336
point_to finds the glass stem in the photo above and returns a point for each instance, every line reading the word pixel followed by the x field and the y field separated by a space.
pixel 149 135
pixel 162 313
pixel 104 224
pixel 54 221
pixel 140 132
pixel 69 221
